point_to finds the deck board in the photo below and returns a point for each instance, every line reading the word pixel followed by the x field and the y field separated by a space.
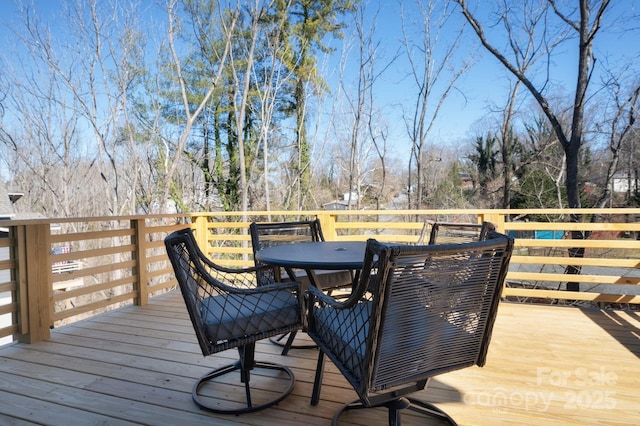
pixel 136 365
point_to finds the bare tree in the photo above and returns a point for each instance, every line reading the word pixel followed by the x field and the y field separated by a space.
pixel 507 141
pixel 44 147
pixel 574 23
pixel 241 95
pixel 274 78
pixel 620 130
pixel 72 85
pixel 228 24
pixel 585 25
pixel 434 76
pixel 367 132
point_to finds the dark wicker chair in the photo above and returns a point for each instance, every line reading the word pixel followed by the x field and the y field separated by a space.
pixel 453 233
pixel 268 234
pixel 416 312
pixel 230 309
pixel 265 235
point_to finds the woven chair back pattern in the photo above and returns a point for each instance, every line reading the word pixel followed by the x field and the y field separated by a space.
pixel 268 234
pixel 457 233
pixel 271 234
pixel 440 310
pixel 227 306
pixel 416 312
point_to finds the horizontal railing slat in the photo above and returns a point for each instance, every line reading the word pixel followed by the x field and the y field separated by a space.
pixel 612 244
pixel 592 279
pixel 578 261
pixel 7 286
pixel 573 295
pixel 95 306
pixel 94 235
pixel 86 290
pixel 569 226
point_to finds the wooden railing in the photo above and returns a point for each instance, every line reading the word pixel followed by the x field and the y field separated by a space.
pixel 106 263
pixel 56 271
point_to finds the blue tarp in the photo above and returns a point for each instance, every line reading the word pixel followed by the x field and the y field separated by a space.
pixel 548 235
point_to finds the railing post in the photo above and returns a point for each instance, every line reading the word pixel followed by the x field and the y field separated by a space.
pixel 497 219
pixel 33 246
pixel 200 231
pixel 140 255
pixel 328 225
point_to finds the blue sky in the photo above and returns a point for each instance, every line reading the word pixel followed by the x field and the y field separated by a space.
pixel 484 84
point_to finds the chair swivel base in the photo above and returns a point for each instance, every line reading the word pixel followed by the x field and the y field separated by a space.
pixel 286 341
pixel 249 407
pixel 396 406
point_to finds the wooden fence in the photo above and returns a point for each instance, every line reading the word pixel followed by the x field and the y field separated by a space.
pixel 56 271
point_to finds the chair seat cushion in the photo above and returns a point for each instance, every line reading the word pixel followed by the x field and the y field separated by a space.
pixel 238 315
pixel 346 331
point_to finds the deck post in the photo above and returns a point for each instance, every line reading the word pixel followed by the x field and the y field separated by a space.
pixel 33 247
pixel 200 229
pixel 140 253
pixel 496 218
pixel 328 225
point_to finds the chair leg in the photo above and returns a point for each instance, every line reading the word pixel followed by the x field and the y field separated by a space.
pixel 244 365
pixel 246 361
pixel 288 344
pixel 394 410
pixel 317 383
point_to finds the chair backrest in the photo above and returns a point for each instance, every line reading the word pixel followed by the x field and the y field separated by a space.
pixel 267 234
pixel 227 306
pixel 185 257
pixel 417 311
pixel 450 233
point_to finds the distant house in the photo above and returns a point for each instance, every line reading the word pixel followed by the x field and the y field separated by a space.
pixel 336 205
pixel 6 202
pixel 467 181
pixel 623 183
pixel 7 210
pixel 347 202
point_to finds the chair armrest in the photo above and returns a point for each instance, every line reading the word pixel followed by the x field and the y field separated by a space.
pixel 229 270
pixel 265 288
pixel 366 285
pixel 313 294
pixel 240 280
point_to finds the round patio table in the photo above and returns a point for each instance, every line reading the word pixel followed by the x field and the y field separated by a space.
pixel 312 256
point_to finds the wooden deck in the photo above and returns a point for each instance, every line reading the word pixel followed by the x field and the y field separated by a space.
pixel 547 365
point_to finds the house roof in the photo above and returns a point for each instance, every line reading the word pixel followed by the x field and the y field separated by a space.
pixel 7 200
pixel 6 206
